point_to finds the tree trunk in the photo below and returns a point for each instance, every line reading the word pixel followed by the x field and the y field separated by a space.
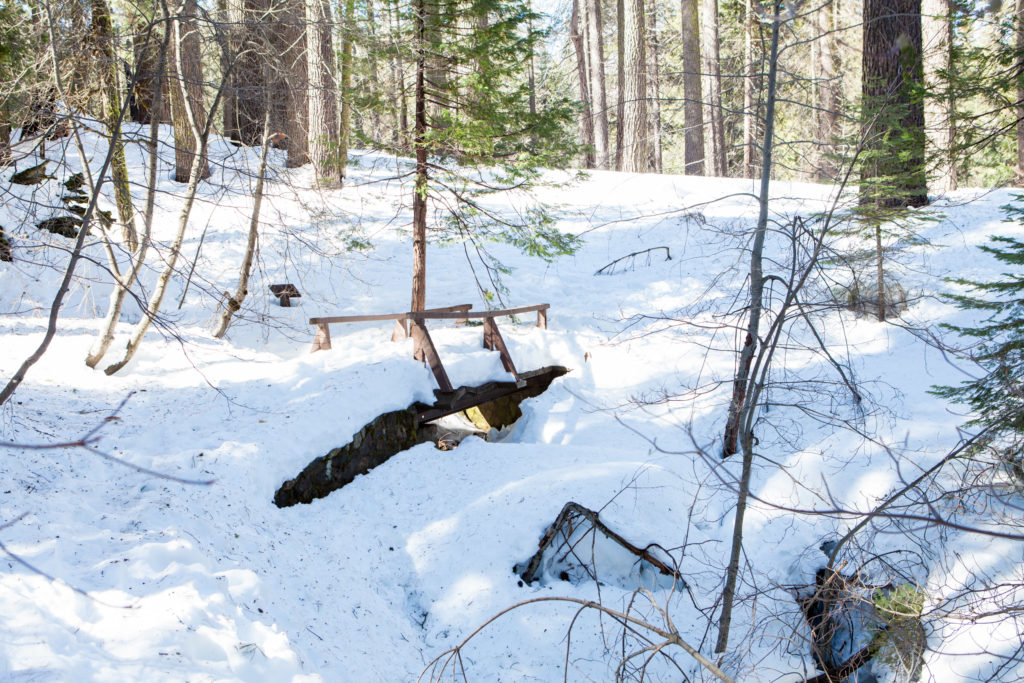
pixel 586 114
pixel 295 64
pixel 654 86
pixel 937 32
pixel 598 90
pixel 826 83
pixel 419 200
pixel 620 97
pixel 348 26
pixel 234 303
pixel 146 73
pixel 323 103
pixel 636 155
pixel 739 426
pixel 893 173
pixel 714 142
pixel 693 105
pixel 186 86
pixel 103 41
pixel 1020 91
pixel 5 145
pixel 750 87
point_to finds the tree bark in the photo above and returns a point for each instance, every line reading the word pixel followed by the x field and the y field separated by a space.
pixel 233 303
pixel 654 86
pixel 693 105
pixel 1020 91
pixel 295 64
pixel 750 87
pixel 620 63
pixel 714 142
pixel 186 86
pixel 103 40
pixel 634 124
pixel 739 426
pixel 893 173
pixel 348 26
pixel 323 103
pixel 5 145
pixel 586 115
pixel 826 83
pixel 419 200
pixel 937 34
pixel 595 62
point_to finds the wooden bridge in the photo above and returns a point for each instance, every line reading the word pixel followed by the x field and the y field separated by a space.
pixel 413 323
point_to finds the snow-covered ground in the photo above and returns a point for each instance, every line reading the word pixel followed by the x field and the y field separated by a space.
pixel 135 577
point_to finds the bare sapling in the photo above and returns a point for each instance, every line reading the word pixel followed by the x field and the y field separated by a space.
pixel 233 303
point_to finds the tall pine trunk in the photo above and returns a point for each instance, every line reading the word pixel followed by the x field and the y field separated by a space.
pixel 347 28
pixel 634 124
pixel 586 114
pixel 293 26
pixel 323 103
pixel 186 93
pixel 937 32
pixel 1020 91
pixel 693 105
pixel 595 65
pixel 654 86
pixel 825 65
pixel 714 142
pixel 419 200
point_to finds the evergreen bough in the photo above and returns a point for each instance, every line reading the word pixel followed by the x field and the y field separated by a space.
pixel 997 397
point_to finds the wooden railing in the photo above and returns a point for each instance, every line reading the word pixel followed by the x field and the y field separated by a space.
pixel 414 323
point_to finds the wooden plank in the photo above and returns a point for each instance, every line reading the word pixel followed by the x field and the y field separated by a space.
pixel 493 341
pixel 322 342
pixel 423 349
pixel 401 331
pixel 430 315
pixel 542 318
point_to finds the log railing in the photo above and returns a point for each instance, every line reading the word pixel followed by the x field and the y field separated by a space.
pixel 413 323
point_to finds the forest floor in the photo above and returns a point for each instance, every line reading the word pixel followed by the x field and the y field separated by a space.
pixel 136 577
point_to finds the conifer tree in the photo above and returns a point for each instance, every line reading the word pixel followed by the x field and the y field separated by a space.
pixel 474 132
pixel 997 397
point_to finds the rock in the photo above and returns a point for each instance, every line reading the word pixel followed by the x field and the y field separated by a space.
pixel 30 176
pixel 5 247
pixel 65 226
pixel 75 183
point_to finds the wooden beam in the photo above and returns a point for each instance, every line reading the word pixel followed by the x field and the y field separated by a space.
pixel 322 342
pixel 542 318
pixel 494 342
pixel 401 331
pixel 424 350
pixel 430 315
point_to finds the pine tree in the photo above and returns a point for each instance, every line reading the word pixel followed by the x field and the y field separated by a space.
pixel 997 397
pixel 474 132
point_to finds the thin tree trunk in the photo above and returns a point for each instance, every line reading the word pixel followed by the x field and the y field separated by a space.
pixel 880 272
pixel 323 103
pixel 233 303
pixel 620 93
pixel 186 93
pixel 124 283
pixel 76 251
pixel 654 86
pixel 714 143
pixel 586 115
pixel 743 405
pixel 598 90
pixel 108 73
pixel 419 200
pixel 636 155
pixel 199 140
pixel 1020 91
pixel 826 84
pixel 749 93
pixel 937 32
pixel 5 145
pixel 296 127
pixel 348 26
pixel 693 105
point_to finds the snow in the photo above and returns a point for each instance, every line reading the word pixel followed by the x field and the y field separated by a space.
pixel 136 577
